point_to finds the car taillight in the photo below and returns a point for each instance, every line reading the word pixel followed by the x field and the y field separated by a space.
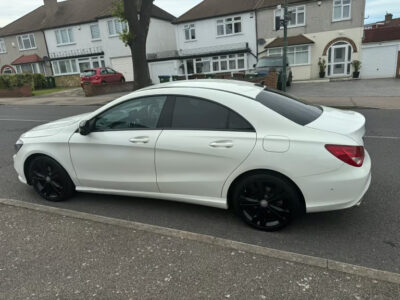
pixel 352 155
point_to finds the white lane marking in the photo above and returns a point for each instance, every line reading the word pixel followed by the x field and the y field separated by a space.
pixel 21 120
pixel 382 137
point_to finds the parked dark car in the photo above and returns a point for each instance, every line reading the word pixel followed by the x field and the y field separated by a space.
pixel 268 63
pixel 101 76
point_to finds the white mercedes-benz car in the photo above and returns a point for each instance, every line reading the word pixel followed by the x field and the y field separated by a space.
pixel 220 143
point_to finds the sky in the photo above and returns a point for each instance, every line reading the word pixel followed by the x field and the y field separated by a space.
pixel 12 10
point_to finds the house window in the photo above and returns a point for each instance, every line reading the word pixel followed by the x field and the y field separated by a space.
pixel 223 63
pixel 341 10
pixel 190 32
pixel 297 55
pixel 91 62
pixel 116 27
pixel 26 41
pixel 95 32
pixel 8 70
pixel 65 67
pixel 35 68
pixel 297 15
pixel 64 36
pixel 229 26
pixel 2 46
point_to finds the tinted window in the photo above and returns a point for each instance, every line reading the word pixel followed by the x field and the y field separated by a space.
pixel 103 72
pixel 191 113
pixel 110 71
pixel 142 113
pixel 289 107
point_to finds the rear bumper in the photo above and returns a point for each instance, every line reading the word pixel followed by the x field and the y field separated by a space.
pixel 336 190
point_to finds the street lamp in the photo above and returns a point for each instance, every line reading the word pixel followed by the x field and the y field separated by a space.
pixel 284 23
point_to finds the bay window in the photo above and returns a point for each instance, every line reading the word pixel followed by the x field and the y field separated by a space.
pixel 341 10
pixel 26 41
pixel 222 63
pixel 297 15
pixel 64 36
pixel 229 26
pixel 297 55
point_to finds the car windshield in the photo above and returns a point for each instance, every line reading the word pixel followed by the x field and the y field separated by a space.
pixel 88 73
pixel 289 107
pixel 270 62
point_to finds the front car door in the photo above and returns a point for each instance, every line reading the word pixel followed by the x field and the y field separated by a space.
pixel 119 152
pixel 113 76
pixel 201 146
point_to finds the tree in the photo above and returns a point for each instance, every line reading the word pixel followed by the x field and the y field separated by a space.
pixel 137 14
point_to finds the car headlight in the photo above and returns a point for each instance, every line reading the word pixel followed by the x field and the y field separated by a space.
pixel 18 145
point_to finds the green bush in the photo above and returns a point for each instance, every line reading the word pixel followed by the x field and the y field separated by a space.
pixel 37 81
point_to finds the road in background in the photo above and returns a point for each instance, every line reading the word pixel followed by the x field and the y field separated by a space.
pixel 368 235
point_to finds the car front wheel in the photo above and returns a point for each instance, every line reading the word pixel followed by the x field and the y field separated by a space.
pixel 50 180
pixel 265 201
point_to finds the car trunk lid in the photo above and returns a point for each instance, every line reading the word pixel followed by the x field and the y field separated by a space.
pixel 344 122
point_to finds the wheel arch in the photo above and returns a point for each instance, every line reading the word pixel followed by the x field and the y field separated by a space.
pixel 31 157
pixel 264 171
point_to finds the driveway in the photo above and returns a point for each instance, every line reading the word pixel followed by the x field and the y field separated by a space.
pixel 350 88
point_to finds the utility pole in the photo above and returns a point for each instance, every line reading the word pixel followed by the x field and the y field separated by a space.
pixel 285 45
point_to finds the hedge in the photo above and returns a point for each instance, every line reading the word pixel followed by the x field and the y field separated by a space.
pixel 37 81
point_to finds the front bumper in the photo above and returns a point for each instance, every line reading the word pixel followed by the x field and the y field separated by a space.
pixel 336 190
pixel 19 168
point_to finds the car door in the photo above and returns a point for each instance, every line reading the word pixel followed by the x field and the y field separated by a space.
pixel 104 76
pixel 204 144
pixel 119 151
pixel 113 76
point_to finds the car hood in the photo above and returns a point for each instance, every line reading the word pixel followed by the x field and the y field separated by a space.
pixel 344 122
pixel 54 127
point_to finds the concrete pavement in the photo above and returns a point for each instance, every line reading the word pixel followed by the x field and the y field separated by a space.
pixel 49 256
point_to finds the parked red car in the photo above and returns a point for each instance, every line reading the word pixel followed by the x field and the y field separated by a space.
pixel 101 76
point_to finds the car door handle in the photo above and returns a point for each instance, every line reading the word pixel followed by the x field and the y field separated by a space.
pixel 140 140
pixel 221 144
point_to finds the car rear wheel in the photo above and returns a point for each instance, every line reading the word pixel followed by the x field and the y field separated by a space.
pixel 122 79
pixel 265 201
pixel 50 180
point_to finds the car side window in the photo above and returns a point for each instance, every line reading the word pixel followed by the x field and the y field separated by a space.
pixel 142 113
pixel 111 71
pixel 103 72
pixel 197 114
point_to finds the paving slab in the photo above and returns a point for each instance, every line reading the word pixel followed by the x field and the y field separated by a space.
pixel 49 256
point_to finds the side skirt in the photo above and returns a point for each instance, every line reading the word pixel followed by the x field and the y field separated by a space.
pixel 206 201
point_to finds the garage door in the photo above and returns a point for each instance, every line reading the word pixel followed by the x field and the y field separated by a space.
pixel 156 69
pixel 379 62
pixel 123 65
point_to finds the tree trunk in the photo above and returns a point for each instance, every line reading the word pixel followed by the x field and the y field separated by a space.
pixel 138 14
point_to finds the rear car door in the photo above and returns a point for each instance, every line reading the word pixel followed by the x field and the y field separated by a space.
pixel 104 76
pixel 119 152
pixel 203 143
pixel 113 76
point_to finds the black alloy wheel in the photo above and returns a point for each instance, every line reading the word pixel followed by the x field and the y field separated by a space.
pixel 122 80
pixel 50 180
pixel 266 202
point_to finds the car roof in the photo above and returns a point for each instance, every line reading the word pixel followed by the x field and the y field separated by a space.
pixel 247 89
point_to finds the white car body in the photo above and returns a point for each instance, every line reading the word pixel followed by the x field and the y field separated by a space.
pixel 199 166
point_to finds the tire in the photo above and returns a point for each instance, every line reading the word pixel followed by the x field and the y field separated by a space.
pixel 50 180
pixel 265 201
pixel 122 80
pixel 103 82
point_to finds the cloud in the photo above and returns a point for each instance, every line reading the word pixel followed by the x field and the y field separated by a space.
pixel 376 9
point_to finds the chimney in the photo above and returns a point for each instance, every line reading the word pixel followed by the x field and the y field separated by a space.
pixel 388 18
pixel 51 6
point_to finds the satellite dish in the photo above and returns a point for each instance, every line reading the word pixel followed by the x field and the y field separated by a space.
pixel 261 42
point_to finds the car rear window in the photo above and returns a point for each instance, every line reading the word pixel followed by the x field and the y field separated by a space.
pixel 88 73
pixel 289 107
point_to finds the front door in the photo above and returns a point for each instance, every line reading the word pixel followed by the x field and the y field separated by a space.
pixel 339 62
pixel 119 152
pixel 205 143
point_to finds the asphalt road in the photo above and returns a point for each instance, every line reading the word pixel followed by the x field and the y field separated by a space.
pixel 368 235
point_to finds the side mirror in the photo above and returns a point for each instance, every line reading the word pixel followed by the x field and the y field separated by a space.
pixel 85 127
